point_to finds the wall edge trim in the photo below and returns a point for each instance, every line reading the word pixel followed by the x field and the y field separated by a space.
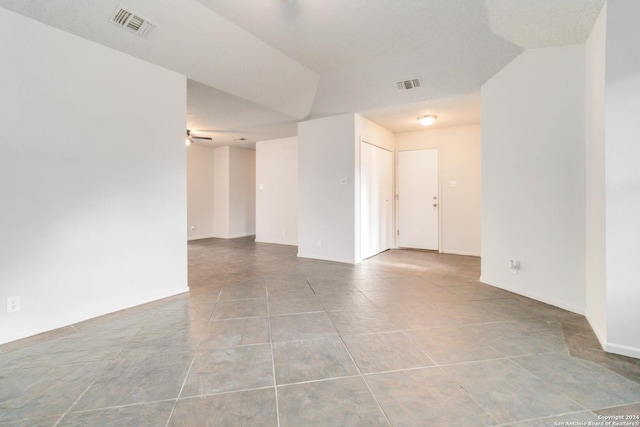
pixel 622 350
pixel 550 301
pixel 273 242
pixel 61 322
pixel 465 253
pixel 350 262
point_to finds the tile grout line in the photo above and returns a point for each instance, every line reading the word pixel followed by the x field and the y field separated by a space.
pixel 206 394
pixel 311 287
pixel 76 401
pixel 181 388
pixel 615 406
pixel 386 417
pixel 510 423
pixel 237 299
pixel 419 348
pixel 273 361
pixel 125 405
pixel 546 383
pixel 473 399
pixel 319 380
pixel 440 368
pixel 110 360
pixel 186 377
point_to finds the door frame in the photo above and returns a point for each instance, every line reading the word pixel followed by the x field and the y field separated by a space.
pixel 392 240
pixel 397 194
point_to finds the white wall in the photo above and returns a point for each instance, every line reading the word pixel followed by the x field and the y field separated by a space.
pixel 596 292
pixel 326 192
pixel 234 192
pixel 533 176
pixel 221 186
pixel 374 134
pixel 242 192
pixel 623 176
pixel 277 191
pixel 92 179
pixel 460 205
pixel 200 178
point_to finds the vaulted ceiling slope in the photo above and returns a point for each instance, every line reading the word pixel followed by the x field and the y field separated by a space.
pixel 192 40
pixel 361 48
pixel 260 66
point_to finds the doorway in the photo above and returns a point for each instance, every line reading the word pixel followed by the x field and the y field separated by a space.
pixel 376 199
pixel 418 199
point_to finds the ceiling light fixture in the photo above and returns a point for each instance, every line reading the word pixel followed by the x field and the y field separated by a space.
pixel 427 120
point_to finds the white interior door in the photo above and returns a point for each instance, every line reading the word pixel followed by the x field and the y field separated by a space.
pixel 418 199
pixel 386 203
pixel 376 200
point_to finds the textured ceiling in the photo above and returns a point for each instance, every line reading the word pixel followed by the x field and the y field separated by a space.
pixel 333 34
pixel 192 40
pixel 361 48
pixel 255 68
pixel 543 23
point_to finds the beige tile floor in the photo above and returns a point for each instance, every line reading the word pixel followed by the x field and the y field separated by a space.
pixel 407 338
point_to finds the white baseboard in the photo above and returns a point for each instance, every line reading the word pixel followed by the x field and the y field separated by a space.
pixel 199 238
pixel 51 324
pixel 237 236
pixel 611 347
pixel 351 261
pixel 477 254
pixel 623 350
pixel 276 243
pixel 532 295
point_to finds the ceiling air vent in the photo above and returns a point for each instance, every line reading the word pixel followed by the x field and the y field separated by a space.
pixel 409 84
pixel 128 20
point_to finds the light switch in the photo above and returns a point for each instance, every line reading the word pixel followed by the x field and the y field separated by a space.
pixel 261 187
pixel 453 184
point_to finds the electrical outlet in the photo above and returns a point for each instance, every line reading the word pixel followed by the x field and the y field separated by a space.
pixel 514 266
pixel 13 304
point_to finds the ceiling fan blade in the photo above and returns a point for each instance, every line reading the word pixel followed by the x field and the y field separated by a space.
pixel 218 131
pixel 201 137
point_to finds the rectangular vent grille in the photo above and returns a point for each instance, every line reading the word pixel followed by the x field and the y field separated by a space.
pixel 409 84
pixel 128 20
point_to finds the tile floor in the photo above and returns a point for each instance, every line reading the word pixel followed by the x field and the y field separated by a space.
pixel 263 338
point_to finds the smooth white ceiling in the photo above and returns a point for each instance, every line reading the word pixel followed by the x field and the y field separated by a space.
pixel 227 118
pixel 255 68
pixel 452 111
